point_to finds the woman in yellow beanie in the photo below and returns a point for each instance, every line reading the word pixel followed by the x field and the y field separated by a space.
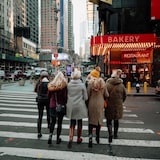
pixel 97 93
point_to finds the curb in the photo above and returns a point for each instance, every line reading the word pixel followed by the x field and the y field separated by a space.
pixel 142 95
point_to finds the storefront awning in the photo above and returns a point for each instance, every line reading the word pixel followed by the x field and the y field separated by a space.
pixel 100 45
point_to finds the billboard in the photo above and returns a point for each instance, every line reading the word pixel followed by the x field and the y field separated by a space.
pixel 155 6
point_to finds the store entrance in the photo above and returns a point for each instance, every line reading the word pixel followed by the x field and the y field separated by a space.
pixel 137 73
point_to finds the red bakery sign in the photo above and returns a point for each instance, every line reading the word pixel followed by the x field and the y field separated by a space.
pixel 123 38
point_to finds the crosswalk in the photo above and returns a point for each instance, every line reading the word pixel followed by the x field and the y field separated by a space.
pixel 18 135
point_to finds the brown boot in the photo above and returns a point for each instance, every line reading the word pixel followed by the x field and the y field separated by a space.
pixel 71 135
pixel 79 135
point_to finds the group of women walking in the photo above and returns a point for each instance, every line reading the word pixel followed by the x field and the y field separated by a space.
pixel 78 100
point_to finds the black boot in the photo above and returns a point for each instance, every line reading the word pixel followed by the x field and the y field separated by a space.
pixel 90 141
pixel 50 139
pixel 109 125
pixel 90 128
pixel 58 135
pixel 97 133
pixel 39 123
pixel 116 126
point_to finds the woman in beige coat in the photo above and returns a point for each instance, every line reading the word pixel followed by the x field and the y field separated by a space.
pixel 114 110
pixel 96 95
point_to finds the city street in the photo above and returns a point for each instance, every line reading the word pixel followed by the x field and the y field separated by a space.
pixel 139 132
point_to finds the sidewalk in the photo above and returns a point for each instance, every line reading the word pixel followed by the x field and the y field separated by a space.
pixel 28 87
pixel 149 92
pixel 14 86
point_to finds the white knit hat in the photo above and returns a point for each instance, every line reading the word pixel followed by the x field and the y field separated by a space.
pixel 44 73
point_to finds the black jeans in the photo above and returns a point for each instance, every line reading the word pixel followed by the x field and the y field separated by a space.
pixel 41 106
pixel 56 117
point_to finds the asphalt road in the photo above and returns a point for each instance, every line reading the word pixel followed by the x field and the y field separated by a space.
pixel 139 137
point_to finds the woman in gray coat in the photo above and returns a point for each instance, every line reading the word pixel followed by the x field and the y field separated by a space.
pixel 76 107
pixel 114 110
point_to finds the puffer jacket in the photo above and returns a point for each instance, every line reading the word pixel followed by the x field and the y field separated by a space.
pixel 42 91
pixel 117 95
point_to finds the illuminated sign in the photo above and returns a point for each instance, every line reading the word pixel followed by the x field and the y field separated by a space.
pixel 155 6
pixel 105 1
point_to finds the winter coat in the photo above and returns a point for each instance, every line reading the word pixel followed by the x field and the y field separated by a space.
pixel 60 96
pixel 77 95
pixel 117 95
pixel 96 105
pixel 42 90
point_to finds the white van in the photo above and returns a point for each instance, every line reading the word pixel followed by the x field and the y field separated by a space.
pixel 38 70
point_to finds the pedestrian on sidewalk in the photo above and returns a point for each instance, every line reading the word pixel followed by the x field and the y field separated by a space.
pixel 97 93
pixel 42 100
pixel 58 98
pixel 114 110
pixel 76 107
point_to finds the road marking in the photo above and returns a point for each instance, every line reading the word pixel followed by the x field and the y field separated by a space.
pixel 55 154
pixel 29 110
pixel 66 126
pixel 17 105
pixel 20 101
pixel 122 142
pixel 35 116
pixel 18 109
pixel 44 117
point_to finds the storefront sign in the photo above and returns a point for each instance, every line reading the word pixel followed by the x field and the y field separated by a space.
pixel 155 14
pixel 101 45
pixel 123 38
pixel 137 57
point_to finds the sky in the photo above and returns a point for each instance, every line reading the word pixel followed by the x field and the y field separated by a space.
pixel 79 15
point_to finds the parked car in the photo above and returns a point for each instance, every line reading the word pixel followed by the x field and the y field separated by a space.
pixel 157 90
pixel 29 73
pixel 8 75
pixel 14 75
pixel 38 70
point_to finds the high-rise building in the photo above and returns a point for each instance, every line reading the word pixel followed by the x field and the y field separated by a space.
pixel 49 20
pixel 16 24
pixel 26 19
pixel 66 25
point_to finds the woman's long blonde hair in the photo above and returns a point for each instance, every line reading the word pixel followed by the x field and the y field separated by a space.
pixel 97 83
pixel 59 82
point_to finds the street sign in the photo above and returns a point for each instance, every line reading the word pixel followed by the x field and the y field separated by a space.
pixel 55 55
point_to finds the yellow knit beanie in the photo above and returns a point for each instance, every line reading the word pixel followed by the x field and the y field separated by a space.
pixel 95 73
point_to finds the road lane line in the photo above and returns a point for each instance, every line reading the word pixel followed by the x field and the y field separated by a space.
pixel 35 116
pixel 122 142
pixel 66 126
pixel 23 109
pixel 59 155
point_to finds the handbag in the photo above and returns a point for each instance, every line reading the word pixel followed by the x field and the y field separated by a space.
pixel 60 107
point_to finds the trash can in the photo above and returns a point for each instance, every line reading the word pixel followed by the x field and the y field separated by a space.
pixel 22 81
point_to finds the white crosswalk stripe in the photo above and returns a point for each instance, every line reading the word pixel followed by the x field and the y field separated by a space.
pixel 20 110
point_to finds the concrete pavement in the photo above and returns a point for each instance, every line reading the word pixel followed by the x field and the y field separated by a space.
pixel 14 86
pixel 29 87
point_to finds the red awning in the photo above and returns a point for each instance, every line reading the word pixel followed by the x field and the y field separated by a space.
pixel 100 45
